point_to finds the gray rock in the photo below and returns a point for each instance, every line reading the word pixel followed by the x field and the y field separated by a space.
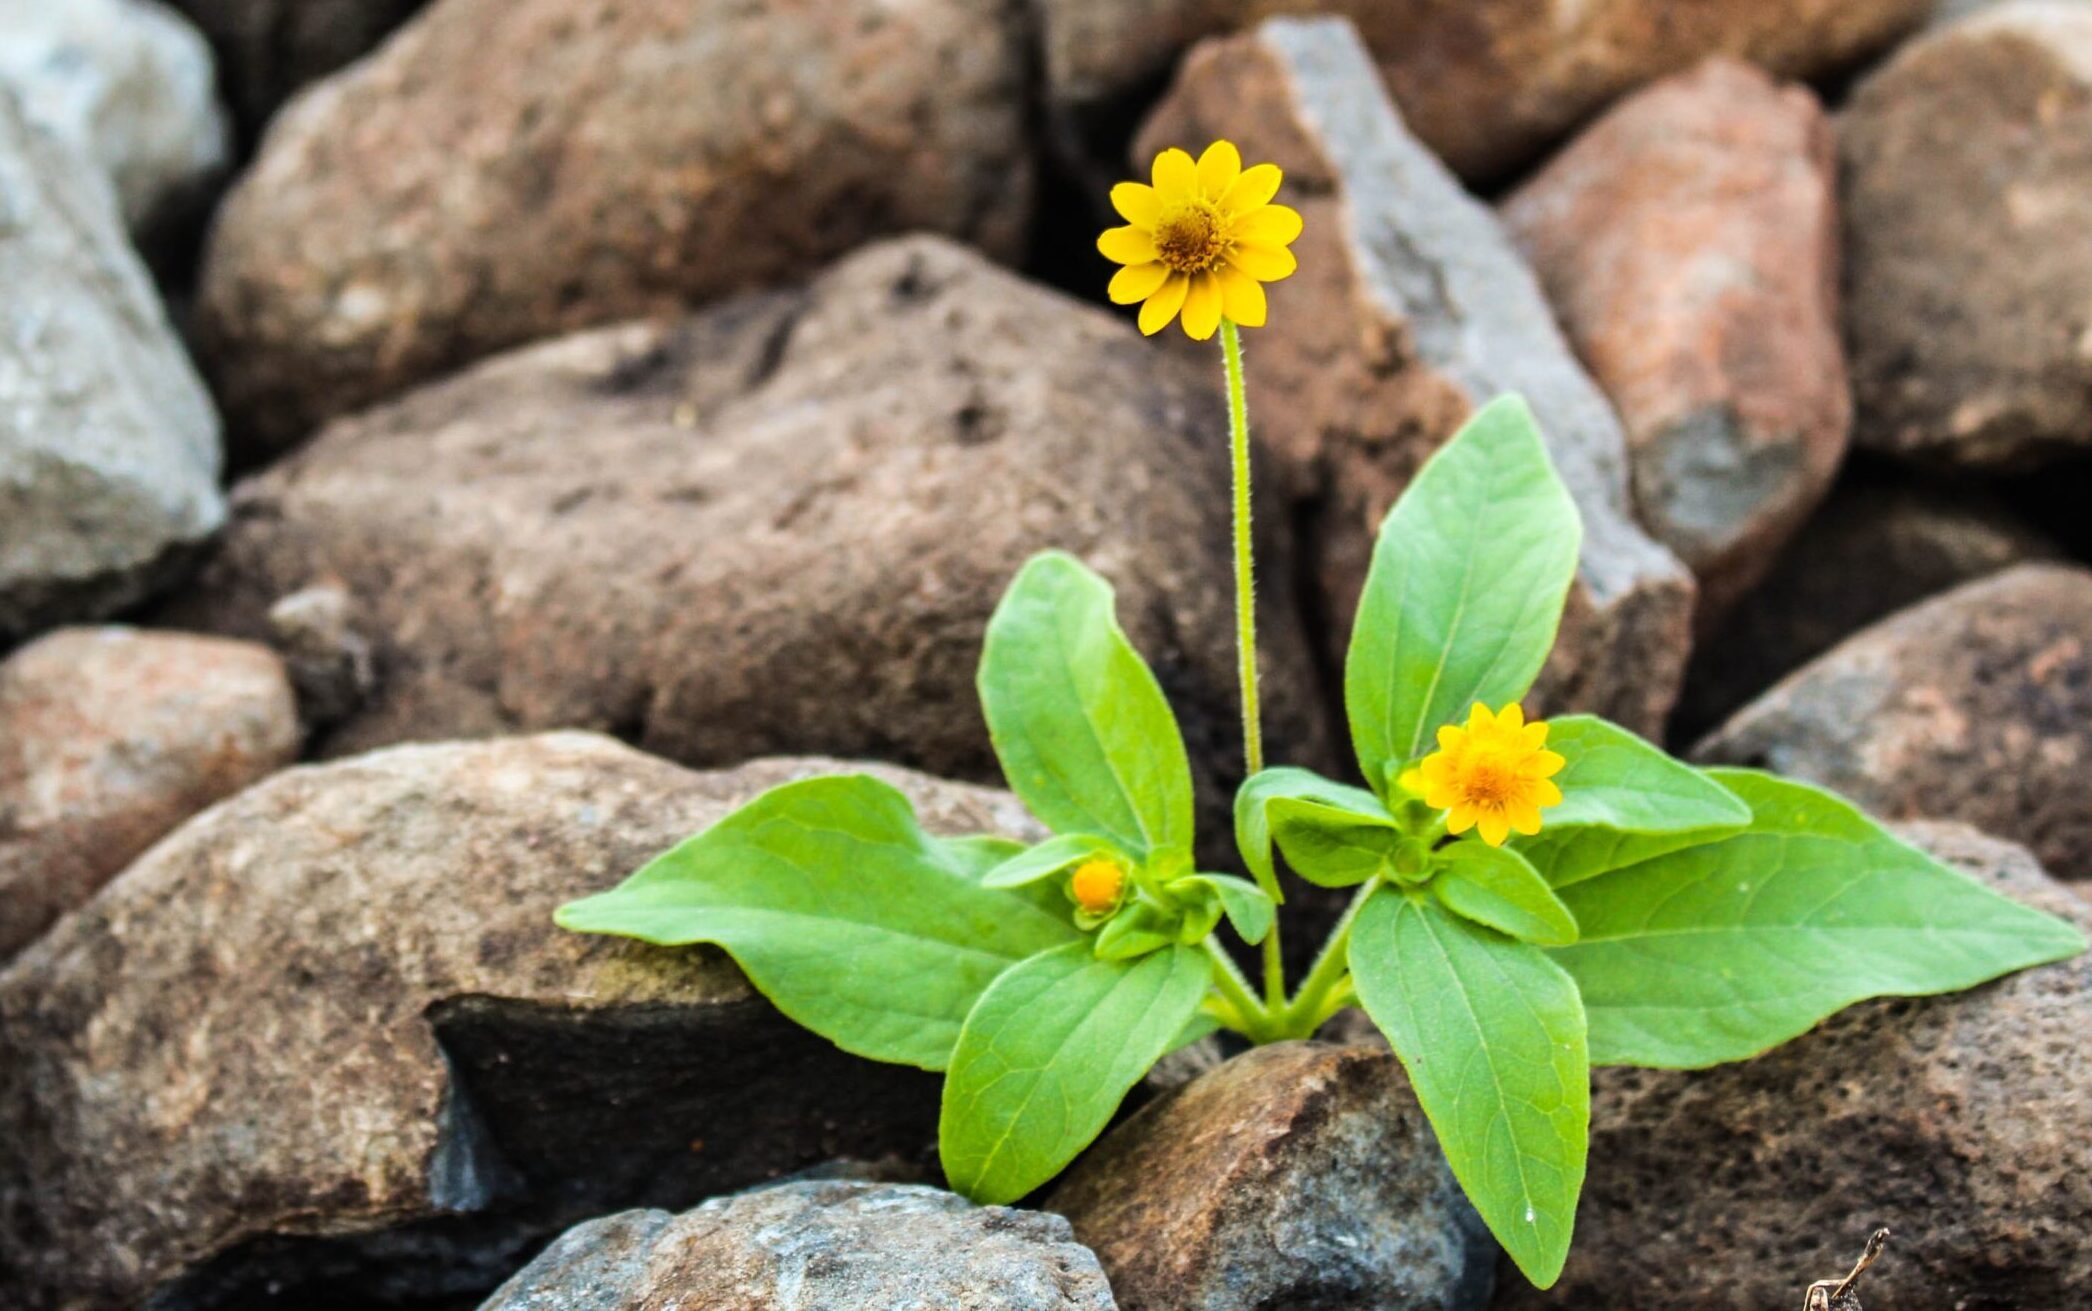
pixel 268 49
pixel 127 83
pixel 109 452
pixel 816 1246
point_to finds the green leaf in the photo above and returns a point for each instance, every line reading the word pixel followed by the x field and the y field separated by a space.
pixel 1245 904
pixel 1138 929
pixel 1495 886
pixel 1253 820
pixel 1334 848
pixel 841 910
pixel 1048 859
pixel 1717 952
pixel 1492 1035
pixel 1466 587
pixel 1047 1056
pixel 1080 725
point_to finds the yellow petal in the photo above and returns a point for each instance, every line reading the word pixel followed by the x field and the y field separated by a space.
pixel 1218 169
pixel 1241 297
pixel 1494 828
pixel 1164 304
pixel 1128 245
pixel 1273 225
pixel 1525 819
pixel 1535 736
pixel 1441 795
pixel 1137 203
pixel 1264 263
pixel 1460 819
pixel 1480 718
pixel 1449 737
pixel 1254 188
pixel 1546 793
pixel 1541 764
pixel 1511 716
pixel 1202 307
pixel 1136 282
pixel 1176 177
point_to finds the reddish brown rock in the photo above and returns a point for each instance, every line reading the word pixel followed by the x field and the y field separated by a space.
pixel 1689 243
pixel 1297 1175
pixel 779 526
pixel 1967 167
pixel 324 1044
pixel 505 170
pixel 109 737
pixel 1976 705
pixel 1962 1123
pixel 1411 308
pixel 1486 83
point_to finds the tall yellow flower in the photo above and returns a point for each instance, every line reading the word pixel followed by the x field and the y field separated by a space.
pixel 1203 239
pixel 1492 775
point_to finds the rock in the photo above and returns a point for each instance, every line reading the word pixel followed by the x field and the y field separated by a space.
pixel 1960 1122
pixel 129 85
pixel 1872 549
pixel 1487 84
pixel 109 737
pixel 785 531
pixel 1975 705
pixel 506 170
pixel 1410 310
pixel 268 49
pixel 334 1016
pixel 1967 166
pixel 1297 1175
pixel 1689 242
pixel 109 450
pixel 331 664
pixel 816 1244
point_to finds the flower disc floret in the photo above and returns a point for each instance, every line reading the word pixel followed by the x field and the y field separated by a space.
pixel 1493 775
pixel 1097 885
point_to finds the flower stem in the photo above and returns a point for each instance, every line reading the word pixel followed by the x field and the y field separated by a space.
pixel 1243 1013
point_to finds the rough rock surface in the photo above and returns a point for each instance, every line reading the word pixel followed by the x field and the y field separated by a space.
pixel 333 1020
pixel 1960 1122
pixel 1871 550
pixel 505 170
pixel 778 526
pixel 1967 167
pixel 816 1244
pixel 1297 1175
pixel 1411 308
pixel 1486 83
pixel 1976 705
pixel 268 49
pixel 109 737
pixel 109 451
pixel 1689 243
pixel 129 85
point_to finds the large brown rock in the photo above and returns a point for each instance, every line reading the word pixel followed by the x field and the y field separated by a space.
pixel 505 170
pixel 1968 240
pixel 1486 83
pixel 779 526
pixel 1976 705
pixel 1689 243
pixel 1961 1122
pixel 325 1039
pixel 1411 308
pixel 109 737
pixel 1297 1175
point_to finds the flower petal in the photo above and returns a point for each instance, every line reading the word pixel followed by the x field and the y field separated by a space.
pixel 1535 735
pixel 1137 203
pixel 1511 717
pixel 1264 263
pixel 1128 245
pixel 1541 764
pixel 1480 718
pixel 1136 282
pixel 1241 296
pixel 1202 307
pixel 1546 793
pixel 1450 736
pixel 1494 827
pixel 1218 169
pixel 1164 304
pixel 1253 189
pixel 1525 818
pixel 1460 819
pixel 1273 225
pixel 1176 177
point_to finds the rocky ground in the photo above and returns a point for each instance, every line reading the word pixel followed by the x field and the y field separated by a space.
pixel 451 449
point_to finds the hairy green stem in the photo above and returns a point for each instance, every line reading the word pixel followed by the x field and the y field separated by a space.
pixel 1247 1016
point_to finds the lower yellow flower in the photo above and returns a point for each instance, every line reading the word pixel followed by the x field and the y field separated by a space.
pixel 1492 775
pixel 1097 885
pixel 1202 240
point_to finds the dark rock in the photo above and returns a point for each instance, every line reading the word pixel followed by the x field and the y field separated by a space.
pixel 268 49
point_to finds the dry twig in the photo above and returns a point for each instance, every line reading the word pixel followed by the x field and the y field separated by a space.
pixel 1839 1294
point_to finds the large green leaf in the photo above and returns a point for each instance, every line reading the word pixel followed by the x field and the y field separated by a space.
pixel 1465 590
pixel 1253 813
pixel 1047 1056
pixel 1078 720
pixel 1495 886
pixel 1492 1035
pixel 1716 952
pixel 1332 847
pixel 841 910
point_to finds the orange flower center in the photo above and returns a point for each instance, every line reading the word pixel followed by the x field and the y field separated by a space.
pixel 1190 239
pixel 1097 885
pixel 1487 778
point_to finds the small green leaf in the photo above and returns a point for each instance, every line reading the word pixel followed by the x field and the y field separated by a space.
pixel 1080 725
pixel 840 910
pixel 1139 929
pixel 1717 952
pixel 1048 859
pixel 1334 848
pixel 1047 1056
pixel 1253 820
pixel 1492 1035
pixel 1495 886
pixel 1466 587
pixel 1245 904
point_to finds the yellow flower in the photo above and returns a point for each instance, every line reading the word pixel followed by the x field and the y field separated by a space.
pixel 1097 885
pixel 1492 775
pixel 1204 239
